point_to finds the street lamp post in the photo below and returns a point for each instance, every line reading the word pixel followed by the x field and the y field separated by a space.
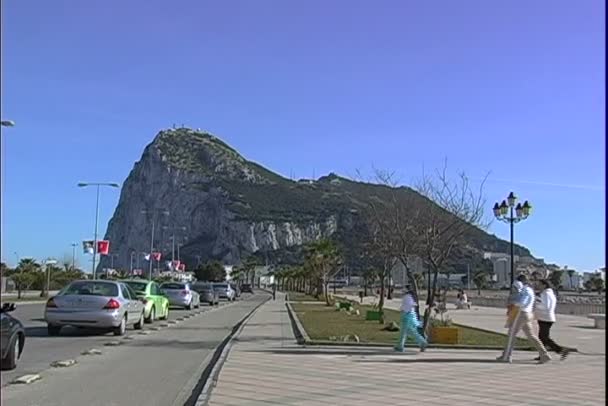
pixel 164 212
pixel 131 263
pixel 112 260
pixel 508 212
pixel 74 245
pixel 48 274
pixel 98 185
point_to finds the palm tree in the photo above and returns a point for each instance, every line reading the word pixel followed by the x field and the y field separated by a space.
pixel 324 258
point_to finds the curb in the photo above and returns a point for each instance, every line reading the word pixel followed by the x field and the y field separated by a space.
pixel 202 391
pixel 298 329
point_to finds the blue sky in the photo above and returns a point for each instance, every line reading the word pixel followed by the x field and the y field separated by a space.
pixel 515 88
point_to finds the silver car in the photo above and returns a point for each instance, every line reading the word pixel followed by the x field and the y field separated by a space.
pixel 96 304
pixel 206 292
pixel 181 295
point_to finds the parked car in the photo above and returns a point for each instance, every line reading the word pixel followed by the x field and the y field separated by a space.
pixel 225 291
pixel 245 287
pixel 12 337
pixel 156 304
pixel 181 295
pixel 236 289
pixel 206 292
pixel 98 304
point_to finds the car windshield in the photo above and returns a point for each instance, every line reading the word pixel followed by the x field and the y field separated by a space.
pixel 138 287
pixel 202 287
pixel 91 288
pixel 221 286
pixel 173 286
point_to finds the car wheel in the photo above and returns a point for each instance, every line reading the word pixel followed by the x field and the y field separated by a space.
pixel 140 323
pixel 198 305
pixel 10 362
pixel 53 330
pixel 152 315
pixel 189 307
pixel 166 315
pixel 122 328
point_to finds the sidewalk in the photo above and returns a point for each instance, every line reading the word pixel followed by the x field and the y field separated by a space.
pixel 266 367
pixel 570 331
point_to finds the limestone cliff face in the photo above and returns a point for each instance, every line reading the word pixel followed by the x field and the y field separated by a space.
pixel 231 207
pixel 187 174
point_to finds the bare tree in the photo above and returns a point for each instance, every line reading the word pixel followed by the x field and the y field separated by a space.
pixel 391 218
pixel 450 211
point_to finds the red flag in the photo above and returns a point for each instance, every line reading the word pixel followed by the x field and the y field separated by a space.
pixel 103 247
pixel 156 256
pixel 182 267
pixel 176 264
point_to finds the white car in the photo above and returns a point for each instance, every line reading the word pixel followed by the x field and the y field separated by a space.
pixel 225 291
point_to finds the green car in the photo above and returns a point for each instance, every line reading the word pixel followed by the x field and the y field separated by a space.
pixel 156 305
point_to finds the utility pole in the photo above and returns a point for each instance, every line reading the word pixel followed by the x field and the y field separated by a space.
pixel 74 245
pixel 468 277
pixel 164 212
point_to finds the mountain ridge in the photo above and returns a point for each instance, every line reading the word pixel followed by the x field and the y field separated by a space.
pixel 233 207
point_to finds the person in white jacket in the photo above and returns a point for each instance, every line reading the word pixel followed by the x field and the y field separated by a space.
pixel 544 311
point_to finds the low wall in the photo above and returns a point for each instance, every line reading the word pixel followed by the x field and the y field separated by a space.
pixel 575 309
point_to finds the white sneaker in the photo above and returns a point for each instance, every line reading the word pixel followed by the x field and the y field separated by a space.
pixel 502 358
pixel 544 359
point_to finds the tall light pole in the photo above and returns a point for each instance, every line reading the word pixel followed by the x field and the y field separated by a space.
pixel 179 245
pixel 153 211
pixel 48 262
pixel 112 260
pixel 131 263
pixel 74 245
pixel 505 213
pixel 98 185
pixel 183 228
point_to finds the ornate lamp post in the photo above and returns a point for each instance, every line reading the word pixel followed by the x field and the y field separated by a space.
pixel 508 212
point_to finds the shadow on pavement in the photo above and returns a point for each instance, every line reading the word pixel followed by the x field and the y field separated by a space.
pixel 259 338
pixel 173 344
pixel 443 360
pixel 583 327
pixel 66 332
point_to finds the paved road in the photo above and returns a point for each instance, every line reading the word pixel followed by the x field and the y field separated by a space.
pixel 41 350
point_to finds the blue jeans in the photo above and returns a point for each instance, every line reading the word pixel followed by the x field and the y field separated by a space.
pixel 409 325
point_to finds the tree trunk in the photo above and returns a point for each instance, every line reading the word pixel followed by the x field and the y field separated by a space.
pixel 432 293
pixel 389 296
pixel 381 302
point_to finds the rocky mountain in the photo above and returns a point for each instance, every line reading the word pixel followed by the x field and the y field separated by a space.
pixel 232 207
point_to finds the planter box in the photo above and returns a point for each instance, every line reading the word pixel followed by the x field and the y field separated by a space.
pixel 444 335
pixel 373 315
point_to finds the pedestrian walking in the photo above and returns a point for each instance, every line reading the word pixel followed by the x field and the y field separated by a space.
pixel 274 291
pixel 512 310
pixel 523 321
pixel 544 310
pixel 410 322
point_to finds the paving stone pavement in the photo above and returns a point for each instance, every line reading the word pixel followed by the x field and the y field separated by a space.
pixel 266 367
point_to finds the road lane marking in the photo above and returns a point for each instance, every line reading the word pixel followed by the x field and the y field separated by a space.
pixel 63 364
pixel 26 379
pixel 92 351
